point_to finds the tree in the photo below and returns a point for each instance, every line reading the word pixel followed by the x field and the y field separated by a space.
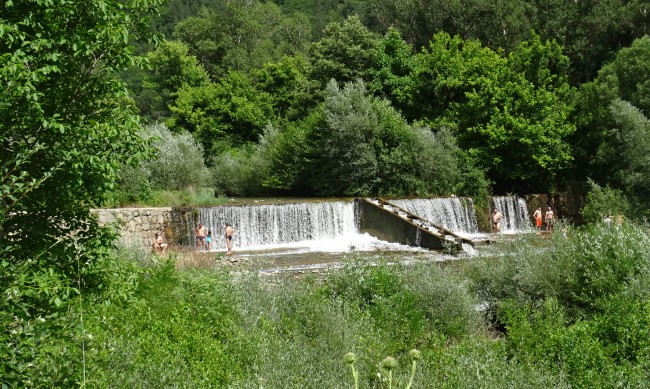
pixel 67 125
pixel 392 64
pixel 344 53
pixel 223 115
pixel 597 140
pixel 242 35
pixel 499 24
pixel 633 134
pixel 511 116
pixel 361 145
pixel 286 83
pixel 171 68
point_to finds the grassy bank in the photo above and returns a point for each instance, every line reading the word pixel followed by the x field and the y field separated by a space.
pixel 563 312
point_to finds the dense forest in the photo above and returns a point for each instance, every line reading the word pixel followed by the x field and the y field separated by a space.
pixel 341 98
pixel 112 102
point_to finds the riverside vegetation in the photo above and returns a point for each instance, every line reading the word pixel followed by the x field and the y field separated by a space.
pixel 112 102
pixel 570 311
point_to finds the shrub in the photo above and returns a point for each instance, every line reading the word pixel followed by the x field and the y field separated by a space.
pixel 180 332
pixel 177 164
pixel 409 301
pixel 578 270
pixel 602 202
pixel 236 172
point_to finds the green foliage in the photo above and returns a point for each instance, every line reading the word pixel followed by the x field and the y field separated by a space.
pixel 390 75
pixel 223 115
pixel 287 155
pixel 591 32
pixel 509 115
pixel 362 146
pixel 242 35
pixel 633 133
pixel 185 323
pixel 578 306
pixel 594 263
pixel 171 68
pixel 67 127
pixel 602 202
pixel 343 54
pixel 408 303
pixel 501 25
pixel 238 172
pixel 287 85
pixel 612 122
pixel 176 165
pixel 178 162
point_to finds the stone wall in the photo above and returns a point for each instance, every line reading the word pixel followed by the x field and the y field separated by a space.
pixel 137 226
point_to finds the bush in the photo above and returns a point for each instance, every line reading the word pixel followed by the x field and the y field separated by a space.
pixel 578 303
pixel 176 165
pixel 181 331
pixel 410 301
pixel 236 172
pixel 592 264
pixel 602 202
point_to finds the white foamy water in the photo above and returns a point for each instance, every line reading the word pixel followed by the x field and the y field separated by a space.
pixel 331 227
pixel 326 226
pixel 341 244
pixel 453 213
pixel 270 225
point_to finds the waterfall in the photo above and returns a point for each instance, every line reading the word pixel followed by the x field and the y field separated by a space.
pixel 453 213
pixel 269 225
pixel 515 213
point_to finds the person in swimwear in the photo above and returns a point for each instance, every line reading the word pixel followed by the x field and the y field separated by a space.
pixel 200 237
pixel 159 246
pixel 229 232
pixel 496 221
pixel 208 240
pixel 538 219
pixel 550 219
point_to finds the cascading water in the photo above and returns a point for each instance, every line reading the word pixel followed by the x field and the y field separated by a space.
pixel 453 213
pixel 515 213
pixel 272 225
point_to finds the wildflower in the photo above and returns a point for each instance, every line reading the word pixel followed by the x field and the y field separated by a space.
pixel 350 358
pixel 389 363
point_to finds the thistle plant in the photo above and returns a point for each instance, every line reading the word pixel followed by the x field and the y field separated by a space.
pixel 350 359
pixel 386 368
pixel 416 355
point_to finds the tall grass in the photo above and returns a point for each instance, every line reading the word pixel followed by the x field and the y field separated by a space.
pixel 214 328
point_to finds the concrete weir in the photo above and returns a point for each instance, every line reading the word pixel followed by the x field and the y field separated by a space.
pixel 387 221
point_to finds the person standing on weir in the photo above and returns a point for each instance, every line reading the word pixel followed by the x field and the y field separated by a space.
pixel 549 218
pixel 229 233
pixel 200 237
pixel 538 219
pixel 496 221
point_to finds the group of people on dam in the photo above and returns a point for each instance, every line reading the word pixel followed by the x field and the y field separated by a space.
pixel 204 239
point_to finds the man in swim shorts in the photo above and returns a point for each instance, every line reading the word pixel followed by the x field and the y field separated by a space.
pixel 550 219
pixel 538 219
pixel 200 237
pixel 229 232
